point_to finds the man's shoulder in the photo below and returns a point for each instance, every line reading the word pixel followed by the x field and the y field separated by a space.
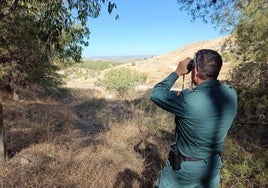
pixel 230 90
pixel 227 85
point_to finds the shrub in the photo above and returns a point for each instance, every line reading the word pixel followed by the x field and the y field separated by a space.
pixel 122 80
pixel 245 165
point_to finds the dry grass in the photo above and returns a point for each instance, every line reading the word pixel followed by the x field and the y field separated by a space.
pixel 87 140
pixel 83 142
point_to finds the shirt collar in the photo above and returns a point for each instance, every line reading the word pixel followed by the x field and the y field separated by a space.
pixel 208 83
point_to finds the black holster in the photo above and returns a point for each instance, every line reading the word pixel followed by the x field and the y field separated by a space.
pixel 174 157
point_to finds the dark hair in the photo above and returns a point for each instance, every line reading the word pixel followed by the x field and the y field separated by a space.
pixel 208 63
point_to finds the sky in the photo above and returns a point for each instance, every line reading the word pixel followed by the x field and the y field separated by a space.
pixel 144 27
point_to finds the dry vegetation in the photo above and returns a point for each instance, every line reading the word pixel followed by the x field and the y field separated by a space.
pixel 81 142
pixel 157 67
pixel 87 140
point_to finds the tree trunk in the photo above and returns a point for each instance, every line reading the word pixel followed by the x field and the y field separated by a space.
pixel 2 137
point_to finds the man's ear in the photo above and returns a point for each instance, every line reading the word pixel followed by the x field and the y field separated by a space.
pixel 196 72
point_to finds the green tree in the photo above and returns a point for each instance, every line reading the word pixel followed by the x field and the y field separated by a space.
pixel 35 33
pixel 251 33
pixel 63 25
pixel 225 13
pixel 245 19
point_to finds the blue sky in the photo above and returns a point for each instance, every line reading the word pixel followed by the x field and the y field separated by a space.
pixel 145 27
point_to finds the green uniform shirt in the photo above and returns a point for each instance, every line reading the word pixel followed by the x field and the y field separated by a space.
pixel 203 115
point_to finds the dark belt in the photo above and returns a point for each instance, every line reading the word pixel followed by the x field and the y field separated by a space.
pixel 184 158
pixel 190 158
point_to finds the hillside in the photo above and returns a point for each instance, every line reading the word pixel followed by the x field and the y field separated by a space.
pixel 158 66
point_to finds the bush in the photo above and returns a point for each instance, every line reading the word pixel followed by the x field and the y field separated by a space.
pixel 246 164
pixel 122 80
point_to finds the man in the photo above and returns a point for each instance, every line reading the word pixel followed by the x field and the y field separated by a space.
pixel 203 116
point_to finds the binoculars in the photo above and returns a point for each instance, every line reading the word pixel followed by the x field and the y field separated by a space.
pixel 190 66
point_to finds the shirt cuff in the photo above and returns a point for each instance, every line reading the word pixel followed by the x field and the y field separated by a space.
pixel 175 74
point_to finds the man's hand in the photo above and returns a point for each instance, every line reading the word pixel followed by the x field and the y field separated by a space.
pixel 182 66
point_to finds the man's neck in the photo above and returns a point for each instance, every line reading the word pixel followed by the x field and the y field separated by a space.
pixel 201 81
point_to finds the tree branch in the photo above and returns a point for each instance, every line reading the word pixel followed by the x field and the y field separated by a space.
pixel 12 8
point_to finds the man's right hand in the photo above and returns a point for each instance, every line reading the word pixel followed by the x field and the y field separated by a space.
pixel 182 66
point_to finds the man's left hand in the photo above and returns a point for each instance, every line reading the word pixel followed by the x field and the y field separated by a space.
pixel 182 66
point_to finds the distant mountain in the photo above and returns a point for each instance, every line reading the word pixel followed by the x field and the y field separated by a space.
pixel 120 58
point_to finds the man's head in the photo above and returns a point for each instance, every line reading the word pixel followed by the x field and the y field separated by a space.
pixel 206 66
